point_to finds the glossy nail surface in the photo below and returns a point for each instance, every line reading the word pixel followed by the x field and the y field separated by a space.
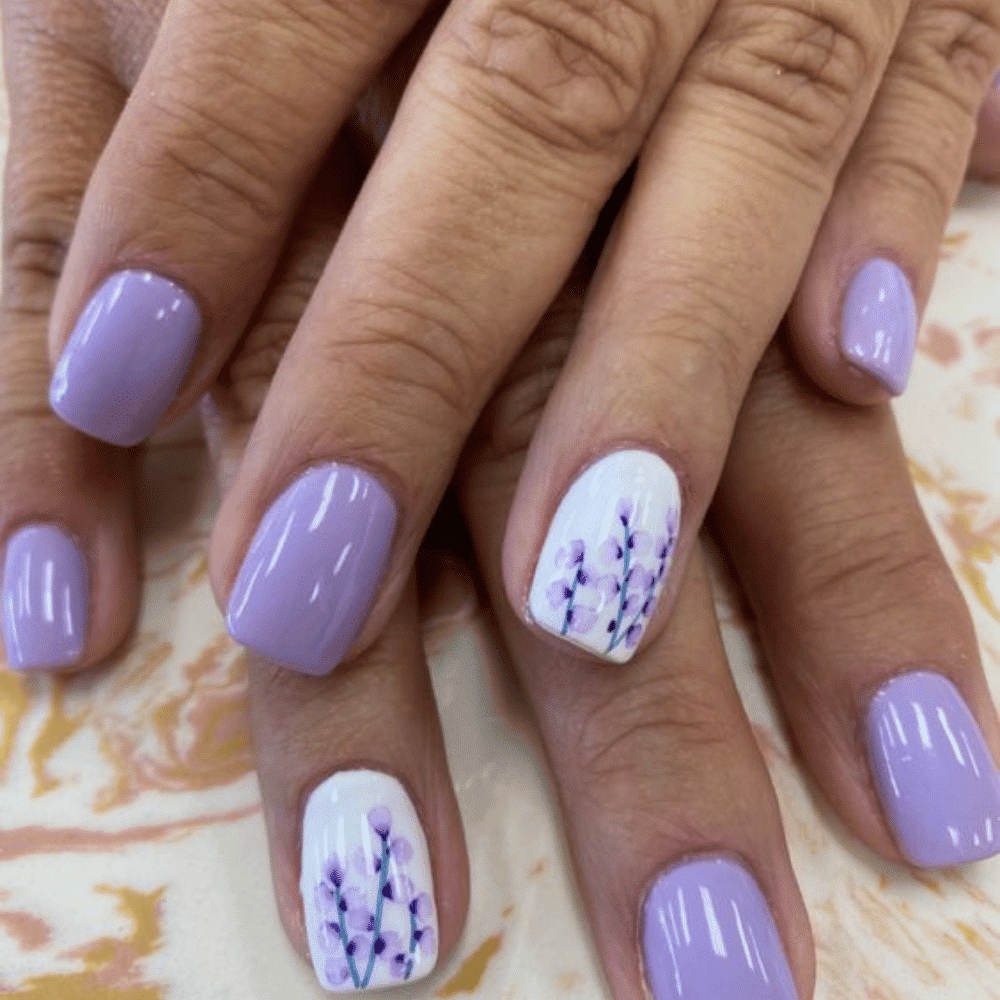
pixel 126 357
pixel 708 934
pixel 312 569
pixel 939 788
pixel 367 890
pixel 878 329
pixel 607 554
pixel 46 592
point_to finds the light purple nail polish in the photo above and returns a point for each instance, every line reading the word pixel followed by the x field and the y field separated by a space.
pixel 311 572
pixel 126 357
pixel 708 934
pixel 878 326
pixel 939 788
pixel 46 592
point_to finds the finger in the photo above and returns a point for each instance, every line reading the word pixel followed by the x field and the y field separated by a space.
pixel 670 816
pixel 70 576
pixel 855 315
pixel 192 198
pixel 632 440
pixel 367 852
pixel 516 126
pixel 335 761
pixel 870 643
pixel 984 160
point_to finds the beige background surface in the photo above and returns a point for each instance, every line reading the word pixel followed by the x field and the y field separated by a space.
pixel 132 852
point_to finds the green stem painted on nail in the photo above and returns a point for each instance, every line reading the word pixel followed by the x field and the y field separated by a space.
pixel 413 945
pixel 377 928
pixel 342 924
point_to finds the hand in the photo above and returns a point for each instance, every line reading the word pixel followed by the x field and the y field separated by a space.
pixel 779 147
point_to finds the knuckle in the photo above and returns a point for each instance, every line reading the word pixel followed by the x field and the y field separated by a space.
pixel 804 68
pixel 216 172
pixel 901 169
pixel 634 727
pixel 418 349
pixel 856 567
pixel 572 74
pixel 952 49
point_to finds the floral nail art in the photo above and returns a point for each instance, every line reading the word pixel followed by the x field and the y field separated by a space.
pixel 607 554
pixel 366 884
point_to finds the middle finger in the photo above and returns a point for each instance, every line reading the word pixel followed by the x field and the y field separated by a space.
pixel 492 176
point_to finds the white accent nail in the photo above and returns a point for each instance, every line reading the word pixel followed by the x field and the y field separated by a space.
pixel 366 884
pixel 608 553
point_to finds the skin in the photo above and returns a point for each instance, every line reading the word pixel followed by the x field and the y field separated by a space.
pixel 661 747
pixel 847 125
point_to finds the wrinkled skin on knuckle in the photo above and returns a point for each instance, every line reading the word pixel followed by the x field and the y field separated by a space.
pixel 952 49
pixel 805 68
pixel 571 75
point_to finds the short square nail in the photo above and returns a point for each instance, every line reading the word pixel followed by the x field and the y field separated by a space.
pixel 708 934
pixel 607 553
pixel 126 357
pixel 313 567
pixel 934 775
pixel 367 890
pixel 878 326
pixel 46 593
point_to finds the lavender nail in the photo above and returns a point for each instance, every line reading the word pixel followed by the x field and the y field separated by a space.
pixel 707 933
pixel 46 589
pixel 126 357
pixel 310 575
pixel 933 772
pixel 879 324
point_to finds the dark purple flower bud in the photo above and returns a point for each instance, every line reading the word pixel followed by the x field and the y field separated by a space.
pixel 387 890
pixel 418 933
pixel 352 947
pixel 371 923
pixel 335 927
pixel 379 946
pixel 611 625
pixel 333 872
pixel 624 511
pixel 343 905
pixel 581 576
pixel 645 607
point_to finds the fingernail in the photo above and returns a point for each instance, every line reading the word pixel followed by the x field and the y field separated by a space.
pixel 878 327
pixel 46 590
pixel 939 788
pixel 126 357
pixel 311 572
pixel 367 890
pixel 708 933
pixel 607 554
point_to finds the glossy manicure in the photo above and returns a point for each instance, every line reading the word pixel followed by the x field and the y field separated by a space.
pixel 939 788
pixel 708 934
pixel 311 572
pixel 46 591
pixel 367 890
pixel 607 554
pixel 126 357
pixel 878 329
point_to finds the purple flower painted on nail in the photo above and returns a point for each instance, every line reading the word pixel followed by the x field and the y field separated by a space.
pixel 352 902
pixel 380 820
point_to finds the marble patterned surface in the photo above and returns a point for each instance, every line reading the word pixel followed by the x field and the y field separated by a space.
pixel 132 851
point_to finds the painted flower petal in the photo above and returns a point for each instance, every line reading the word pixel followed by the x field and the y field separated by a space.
pixel 641 578
pixel 380 820
pixel 401 850
pixel 641 544
pixel 611 550
pixel 336 970
pixel 633 634
pixel 624 509
pixel 558 593
pixel 582 618
pixel 427 942
pixel 421 906
pixel 608 586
